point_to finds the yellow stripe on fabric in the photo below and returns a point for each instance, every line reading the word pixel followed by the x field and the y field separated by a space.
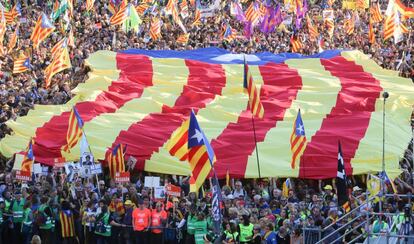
pixel 102 132
pixel 202 176
pixel 368 157
pixel 103 65
pixel 315 99
pixel 213 119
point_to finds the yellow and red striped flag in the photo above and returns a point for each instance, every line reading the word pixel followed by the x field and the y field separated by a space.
pixel 170 6
pixel 184 9
pixel 67 224
pixel 255 103
pixel 371 34
pixel 112 8
pixel 360 4
pixel 59 63
pixel 313 31
pixel 375 13
pixel 74 132
pixel 27 163
pixel 188 142
pixel 141 8
pixel 183 39
pixel 13 13
pixel 296 43
pixel 389 26
pixel 42 30
pixel 227 177
pixel 13 39
pixel 58 47
pixel 197 18
pixel 89 4
pixel 2 32
pixel 297 140
pixel 119 17
pixel 21 65
pixel 116 160
pixel 349 24
pixel 330 26
pixel 155 29
pixel 252 13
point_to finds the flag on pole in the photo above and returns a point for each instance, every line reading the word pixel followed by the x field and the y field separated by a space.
pixel 89 5
pixel 286 187
pixel 228 33
pixel 21 65
pixel 387 180
pixel 341 182
pixel 252 13
pixel 349 24
pixel 2 32
pixel 216 211
pixel 13 39
pixel 42 30
pixel 297 140
pixel 183 39
pixel 67 223
pixel 371 34
pixel 375 13
pixel 59 9
pixel 197 18
pixel 28 160
pixel 184 9
pixel 119 17
pixel 296 43
pixel 59 63
pixel 313 31
pixel 74 132
pixel 255 104
pixel 58 47
pixel 155 29
pixel 227 177
pixel 116 160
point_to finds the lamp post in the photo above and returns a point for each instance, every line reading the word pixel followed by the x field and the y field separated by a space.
pixel 385 95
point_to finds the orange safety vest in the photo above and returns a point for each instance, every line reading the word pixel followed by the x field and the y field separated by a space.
pixel 141 218
pixel 156 220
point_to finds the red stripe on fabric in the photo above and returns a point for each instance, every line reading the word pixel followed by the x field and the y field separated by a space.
pixel 236 143
pixel 348 120
pixel 180 143
pixel 205 81
pixel 136 74
pixel 200 165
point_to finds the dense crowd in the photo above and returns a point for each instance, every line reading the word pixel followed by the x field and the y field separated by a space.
pixel 58 211
pixel 105 212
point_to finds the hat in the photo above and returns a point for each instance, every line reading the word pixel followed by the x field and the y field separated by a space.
pixel 175 199
pixel 128 202
pixel 328 187
pixel 356 188
pixel 230 197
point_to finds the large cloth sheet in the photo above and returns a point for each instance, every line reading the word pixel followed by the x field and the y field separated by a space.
pixel 139 98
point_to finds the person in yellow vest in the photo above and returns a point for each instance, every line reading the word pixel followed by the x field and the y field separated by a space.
pixel 246 230
pixel 67 225
pixel 16 208
pixel 45 221
pixel 27 223
pixel 103 226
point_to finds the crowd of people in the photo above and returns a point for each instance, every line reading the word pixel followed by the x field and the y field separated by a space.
pixel 52 210
pixel 258 211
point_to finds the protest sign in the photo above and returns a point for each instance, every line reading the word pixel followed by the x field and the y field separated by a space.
pixel 122 177
pixel 173 190
pixel 151 181
pixel 23 175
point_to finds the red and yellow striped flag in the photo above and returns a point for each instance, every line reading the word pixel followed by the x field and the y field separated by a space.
pixel 297 140
pixel 349 25
pixel 58 47
pixel 27 163
pixel 313 31
pixel 227 177
pixel 89 4
pixel 371 34
pixel 183 39
pixel 296 44
pixel 184 9
pixel 116 160
pixel 360 4
pixel 13 13
pixel 141 8
pixel 375 13
pixel 252 13
pixel 13 39
pixel 74 132
pixel 389 26
pixel 2 32
pixel 197 18
pixel 170 6
pixel 67 223
pixel 155 29
pixel 59 63
pixel 21 65
pixel 42 30
pixel 330 26
pixel 119 17
pixel 255 104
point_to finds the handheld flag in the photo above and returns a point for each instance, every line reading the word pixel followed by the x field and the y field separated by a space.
pixel 74 132
pixel 58 47
pixel 119 17
pixel 183 39
pixel 13 39
pixel 297 140
pixel 116 160
pixel 387 180
pixel 27 163
pixel 42 30
pixel 60 62
pixel 89 5
pixel 341 182
pixel 21 65
pixel 67 223
pixel 197 18
pixel 132 20
pixel 200 154
pixel 155 29
pixel 375 13
pixel 296 43
pixel 216 211
pixel 256 106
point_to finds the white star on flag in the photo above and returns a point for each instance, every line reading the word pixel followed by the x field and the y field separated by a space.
pixel 198 136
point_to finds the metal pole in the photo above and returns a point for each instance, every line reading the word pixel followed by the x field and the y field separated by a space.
pixel 90 150
pixel 255 146
pixel 385 96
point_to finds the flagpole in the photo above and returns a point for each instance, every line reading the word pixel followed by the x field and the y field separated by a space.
pixel 385 96
pixel 90 150
pixel 255 146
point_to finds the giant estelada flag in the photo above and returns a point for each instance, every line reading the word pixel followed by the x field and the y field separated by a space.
pixel 141 98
